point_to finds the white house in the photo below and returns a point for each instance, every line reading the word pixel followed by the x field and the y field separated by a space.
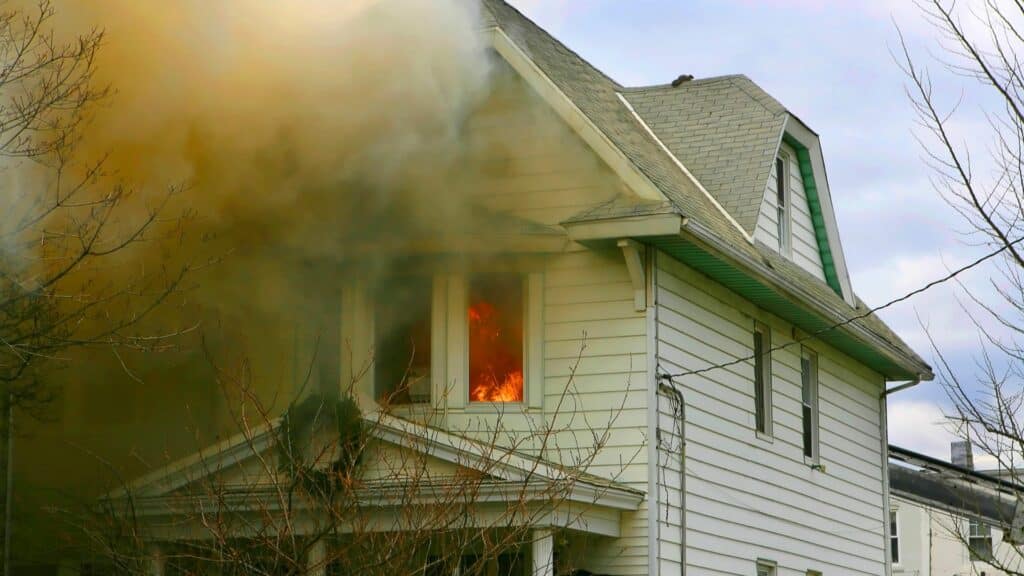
pixel 673 251
pixel 927 537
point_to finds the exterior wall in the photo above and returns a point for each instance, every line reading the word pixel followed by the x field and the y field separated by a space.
pixel 748 498
pixel 934 545
pixel 804 243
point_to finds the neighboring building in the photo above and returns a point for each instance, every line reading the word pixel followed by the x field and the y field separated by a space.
pixel 670 229
pixel 934 541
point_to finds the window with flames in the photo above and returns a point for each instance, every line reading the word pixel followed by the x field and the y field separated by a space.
pixel 495 317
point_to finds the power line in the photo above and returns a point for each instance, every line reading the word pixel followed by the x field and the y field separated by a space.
pixel 852 319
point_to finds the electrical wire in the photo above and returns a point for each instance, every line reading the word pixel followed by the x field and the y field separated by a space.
pixel 815 334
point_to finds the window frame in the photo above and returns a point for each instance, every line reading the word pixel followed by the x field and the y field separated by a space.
pixel 770 567
pixel 783 203
pixel 975 532
pixel 456 346
pixel 809 404
pixel 894 537
pixel 763 386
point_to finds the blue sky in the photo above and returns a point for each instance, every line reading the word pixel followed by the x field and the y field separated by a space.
pixel 831 64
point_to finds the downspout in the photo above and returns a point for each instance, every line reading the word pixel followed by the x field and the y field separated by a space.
pixel 653 492
pixel 883 429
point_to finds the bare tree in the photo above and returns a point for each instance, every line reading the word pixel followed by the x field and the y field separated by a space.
pixel 982 44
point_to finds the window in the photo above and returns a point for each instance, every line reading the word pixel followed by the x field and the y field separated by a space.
pixel 809 398
pixel 894 537
pixel 496 317
pixel 762 378
pixel 402 329
pixel 979 541
pixel 765 568
pixel 782 202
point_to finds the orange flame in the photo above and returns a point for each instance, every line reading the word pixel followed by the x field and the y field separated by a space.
pixel 495 362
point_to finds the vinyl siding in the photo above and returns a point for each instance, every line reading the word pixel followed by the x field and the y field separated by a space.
pixel 805 250
pixel 748 498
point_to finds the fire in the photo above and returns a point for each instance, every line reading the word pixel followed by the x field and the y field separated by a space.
pixel 495 355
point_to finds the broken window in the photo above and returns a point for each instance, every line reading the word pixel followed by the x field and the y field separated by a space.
pixel 402 325
pixel 495 317
pixel 762 378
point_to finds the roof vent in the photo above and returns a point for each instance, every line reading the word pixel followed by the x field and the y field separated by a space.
pixel 681 80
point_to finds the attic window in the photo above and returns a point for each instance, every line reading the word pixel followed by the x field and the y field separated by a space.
pixel 496 316
pixel 782 202
pixel 402 327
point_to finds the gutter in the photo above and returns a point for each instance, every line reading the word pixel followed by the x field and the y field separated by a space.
pixel 901 387
pixel 775 280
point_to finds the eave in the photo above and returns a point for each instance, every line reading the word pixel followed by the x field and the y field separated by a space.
pixel 755 280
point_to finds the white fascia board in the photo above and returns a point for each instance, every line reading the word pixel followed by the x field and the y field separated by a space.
pixel 797 129
pixel 634 179
pixel 625 227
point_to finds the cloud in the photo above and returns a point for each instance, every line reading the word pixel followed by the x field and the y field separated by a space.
pixel 919 426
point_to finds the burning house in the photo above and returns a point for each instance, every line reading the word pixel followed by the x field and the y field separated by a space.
pixel 594 331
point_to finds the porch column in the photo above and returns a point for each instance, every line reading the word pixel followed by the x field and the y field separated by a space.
pixel 543 552
pixel 316 559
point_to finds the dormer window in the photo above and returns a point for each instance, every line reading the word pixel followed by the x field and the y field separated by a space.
pixel 782 203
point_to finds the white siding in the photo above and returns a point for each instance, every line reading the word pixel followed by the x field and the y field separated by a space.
pixel 805 250
pixel 748 498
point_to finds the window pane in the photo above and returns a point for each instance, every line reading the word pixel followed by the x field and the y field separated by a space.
pixel 402 340
pixel 496 339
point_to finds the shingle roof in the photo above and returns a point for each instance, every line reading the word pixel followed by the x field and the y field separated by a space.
pixel 596 95
pixel 725 130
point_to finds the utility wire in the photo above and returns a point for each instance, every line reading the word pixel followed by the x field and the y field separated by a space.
pixel 852 319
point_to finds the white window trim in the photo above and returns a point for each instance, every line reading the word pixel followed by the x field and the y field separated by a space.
pixel 815 458
pixel 449 362
pixel 457 345
pixel 766 378
pixel 769 565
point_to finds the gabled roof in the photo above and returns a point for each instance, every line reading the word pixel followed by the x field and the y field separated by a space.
pixel 710 236
pixel 504 465
pixel 726 131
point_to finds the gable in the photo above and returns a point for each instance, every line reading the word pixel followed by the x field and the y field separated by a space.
pixel 803 243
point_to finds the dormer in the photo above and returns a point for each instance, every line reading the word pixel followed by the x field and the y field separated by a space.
pixel 761 164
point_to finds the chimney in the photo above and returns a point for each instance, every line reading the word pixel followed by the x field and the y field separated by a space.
pixel 960 454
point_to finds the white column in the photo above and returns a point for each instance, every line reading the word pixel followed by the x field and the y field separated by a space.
pixel 316 559
pixel 543 552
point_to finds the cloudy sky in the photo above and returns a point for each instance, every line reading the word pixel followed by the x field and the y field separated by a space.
pixel 832 64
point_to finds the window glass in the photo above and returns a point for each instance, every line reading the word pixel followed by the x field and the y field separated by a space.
pixel 809 401
pixel 980 541
pixel 894 538
pixel 762 378
pixel 781 189
pixel 495 319
pixel 402 340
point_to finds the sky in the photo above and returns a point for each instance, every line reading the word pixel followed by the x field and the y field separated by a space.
pixel 832 64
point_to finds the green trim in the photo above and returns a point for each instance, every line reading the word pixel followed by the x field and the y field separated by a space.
pixel 767 298
pixel 828 262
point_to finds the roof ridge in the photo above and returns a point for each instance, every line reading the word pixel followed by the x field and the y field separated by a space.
pixel 707 80
pixel 544 31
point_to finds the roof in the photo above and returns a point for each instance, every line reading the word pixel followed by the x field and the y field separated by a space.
pixel 726 131
pixel 649 126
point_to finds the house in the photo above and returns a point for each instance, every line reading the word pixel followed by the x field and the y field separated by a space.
pixel 671 252
pixel 963 527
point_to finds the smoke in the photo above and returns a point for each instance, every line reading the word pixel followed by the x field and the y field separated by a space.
pixel 259 104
